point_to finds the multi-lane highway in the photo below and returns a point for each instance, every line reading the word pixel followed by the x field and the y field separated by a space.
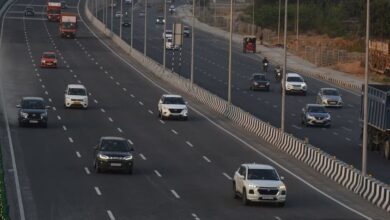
pixel 183 169
pixel 211 53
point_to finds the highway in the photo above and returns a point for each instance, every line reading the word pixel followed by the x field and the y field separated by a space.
pixel 211 57
pixel 183 169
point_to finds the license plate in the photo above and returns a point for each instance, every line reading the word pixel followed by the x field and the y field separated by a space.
pixel 33 121
pixel 77 103
pixel 116 164
pixel 267 197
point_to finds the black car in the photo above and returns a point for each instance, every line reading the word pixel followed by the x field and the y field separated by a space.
pixel 32 110
pixel 315 114
pixel 113 153
pixel 29 11
pixel 126 23
pixel 259 82
pixel 186 31
pixel 160 20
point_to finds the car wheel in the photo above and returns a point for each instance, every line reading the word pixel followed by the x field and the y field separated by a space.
pixel 44 125
pixel 130 171
pixel 235 196
pixel 281 204
pixel 245 201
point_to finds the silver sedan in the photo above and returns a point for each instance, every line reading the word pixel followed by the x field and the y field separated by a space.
pixel 329 97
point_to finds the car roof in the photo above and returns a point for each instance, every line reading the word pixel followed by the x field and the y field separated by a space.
pixel 258 166
pixel 293 74
pixel 32 98
pixel 49 52
pixel 76 86
pixel 112 138
pixel 172 96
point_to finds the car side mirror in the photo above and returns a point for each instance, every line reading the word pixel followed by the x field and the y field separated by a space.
pixel 282 178
pixel 18 106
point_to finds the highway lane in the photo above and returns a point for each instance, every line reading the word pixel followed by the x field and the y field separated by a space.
pixel 164 146
pixel 343 139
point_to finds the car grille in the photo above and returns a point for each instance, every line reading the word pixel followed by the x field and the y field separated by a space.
pixel 77 100
pixel 34 116
pixel 331 102
pixel 173 110
pixel 296 86
pixel 319 118
pixel 268 191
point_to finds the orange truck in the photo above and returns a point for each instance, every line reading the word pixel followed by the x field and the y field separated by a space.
pixel 68 25
pixel 53 11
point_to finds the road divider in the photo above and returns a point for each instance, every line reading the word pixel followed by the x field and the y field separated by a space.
pixel 346 175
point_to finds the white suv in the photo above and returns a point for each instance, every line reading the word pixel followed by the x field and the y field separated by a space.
pixel 295 84
pixel 76 95
pixel 172 106
pixel 259 183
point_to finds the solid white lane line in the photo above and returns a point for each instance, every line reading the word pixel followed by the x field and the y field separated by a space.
pixel 347 129
pixel 64 127
pixel 150 111
pixel 162 122
pixel 70 139
pixel 142 156
pixel 175 194
pixel 189 144
pixel 110 215
pixel 110 119
pixel 120 130
pixel 58 117
pixel 141 103
pixel 130 142
pixel 97 190
pixel 102 110
pixel 175 132
pixel 78 154
pixel 157 173
pixel 124 89
pixel 95 101
pixel 347 139
pixel 54 108
pixel 227 176
pixel 87 170
pixel 206 159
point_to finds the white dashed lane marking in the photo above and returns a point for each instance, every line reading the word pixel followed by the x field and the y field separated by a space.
pixel 58 117
pixel 206 159
pixel 97 190
pixel 95 101
pixel 175 194
pixel 110 119
pixel 64 127
pixel 78 154
pixel 347 139
pixel 157 173
pixel 195 216
pixel 54 108
pixel 347 129
pixel 142 156
pixel 132 96
pixel 124 89
pixel 70 139
pixel 87 170
pixel 175 132
pixel 120 130
pixel 141 103
pixel 130 142
pixel 162 122
pixel 297 127
pixel 110 215
pixel 102 110
pixel 227 176
pixel 189 144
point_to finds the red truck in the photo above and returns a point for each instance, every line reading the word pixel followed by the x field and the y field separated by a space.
pixel 53 11
pixel 68 25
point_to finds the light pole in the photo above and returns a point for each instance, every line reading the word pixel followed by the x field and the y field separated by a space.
pixel 132 24
pixel 145 29
pixel 253 17
pixel 284 68
pixel 365 108
pixel 230 54
pixel 112 16
pixel 192 42
pixel 164 37
pixel 279 22
pixel 121 20
pixel 297 25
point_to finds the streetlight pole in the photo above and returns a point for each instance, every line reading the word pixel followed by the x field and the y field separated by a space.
pixel 279 22
pixel 192 42
pixel 164 37
pixel 284 69
pixel 132 24
pixel 297 25
pixel 253 17
pixel 145 29
pixel 230 54
pixel 112 16
pixel 365 108
pixel 121 20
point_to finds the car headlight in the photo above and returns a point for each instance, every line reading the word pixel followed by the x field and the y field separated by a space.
pixel 310 116
pixel 103 157
pixel 43 115
pixel 324 101
pixel 165 108
pixel 252 186
pixel 327 117
pixel 24 114
pixel 54 61
pixel 255 83
pixel 85 99
pixel 282 187
pixel 267 83
pixel 43 61
pixel 130 157
pixel 289 86
pixel 303 86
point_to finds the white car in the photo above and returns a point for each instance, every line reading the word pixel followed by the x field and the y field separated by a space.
pixel 118 14
pixel 172 106
pixel 295 84
pixel 172 9
pixel 76 95
pixel 259 183
pixel 170 45
pixel 168 34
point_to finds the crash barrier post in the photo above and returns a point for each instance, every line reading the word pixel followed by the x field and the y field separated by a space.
pixel 369 188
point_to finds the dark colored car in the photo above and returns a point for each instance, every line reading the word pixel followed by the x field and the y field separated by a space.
pixel 126 23
pixel 160 20
pixel 259 82
pixel 315 114
pixel 29 11
pixel 32 110
pixel 186 31
pixel 113 153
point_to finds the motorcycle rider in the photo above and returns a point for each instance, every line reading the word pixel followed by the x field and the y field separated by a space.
pixel 278 72
pixel 265 64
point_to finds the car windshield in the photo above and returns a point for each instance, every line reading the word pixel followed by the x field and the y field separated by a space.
pixel 68 25
pixel 75 91
pixel 294 79
pixel 168 32
pixel 331 92
pixel 29 9
pixel 49 55
pixel 316 109
pixel 262 174
pixel 32 104
pixel 174 100
pixel 54 11
pixel 114 145
pixel 259 77
pixel 160 18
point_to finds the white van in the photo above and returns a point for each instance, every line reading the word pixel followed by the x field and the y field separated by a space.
pixel 76 96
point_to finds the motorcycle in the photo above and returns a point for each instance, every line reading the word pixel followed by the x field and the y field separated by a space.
pixel 278 73
pixel 265 66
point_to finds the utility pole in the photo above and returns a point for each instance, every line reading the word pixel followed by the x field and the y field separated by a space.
pixel 165 40
pixel 230 54
pixel 365 101
pixel 192 42
pixel 279 22
pixel 284 69
pixel 112 16
pixel 121 20
pixel 297 25
pixel 145 28
pixel 132 24
pixel 253 17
